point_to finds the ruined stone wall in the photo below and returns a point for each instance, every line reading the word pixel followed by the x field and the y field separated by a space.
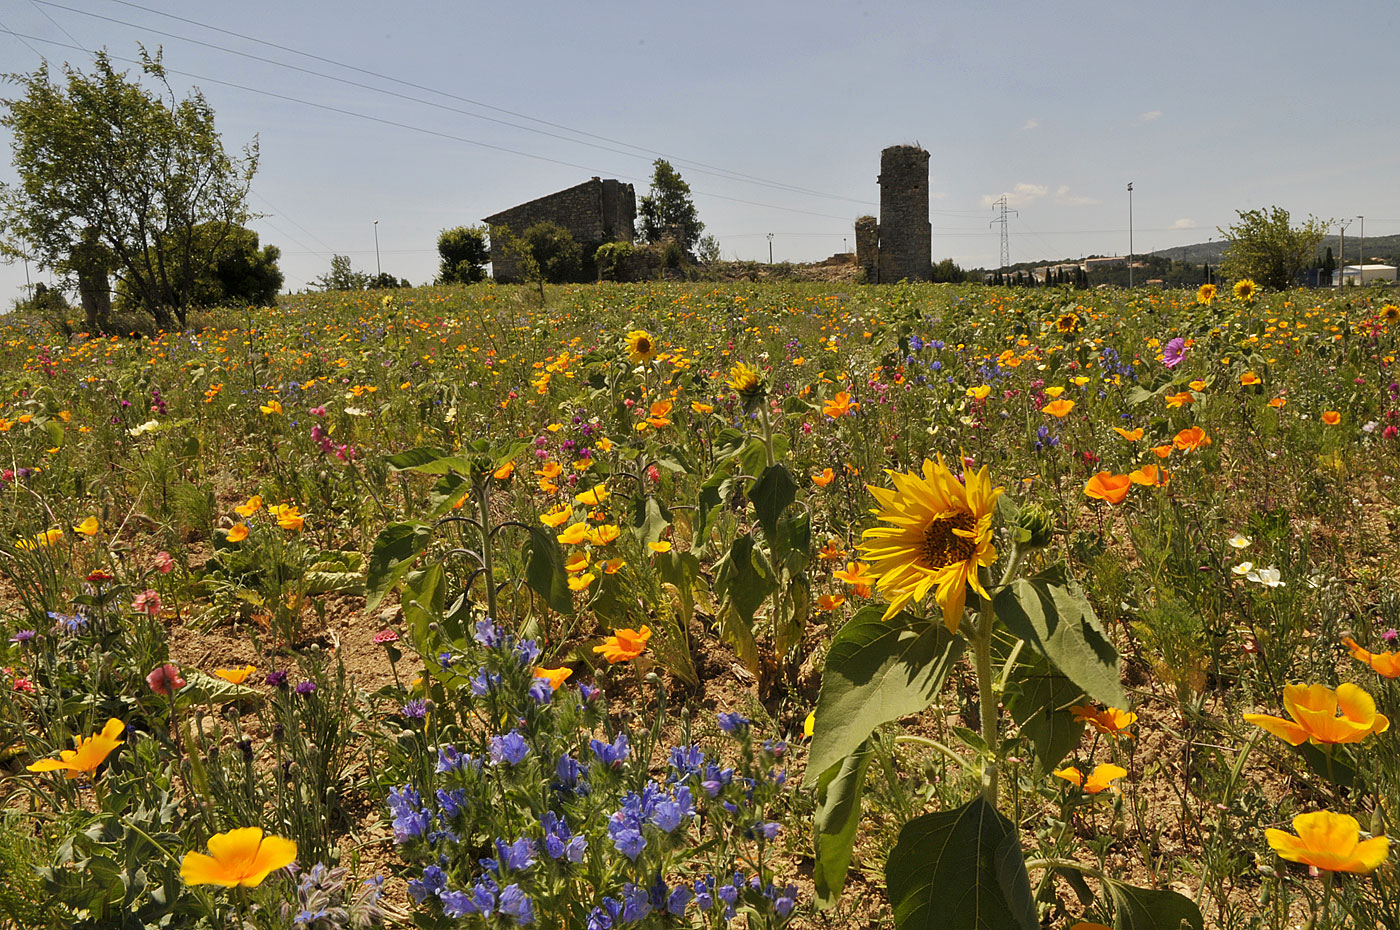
pixel 593 212
pixel 906 236
pixel 868 248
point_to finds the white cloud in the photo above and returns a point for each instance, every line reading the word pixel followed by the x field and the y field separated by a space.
pixel 1065 197
pixel 1184 223
pixel 1018 196
pixel 1030 124
pixel 1149 116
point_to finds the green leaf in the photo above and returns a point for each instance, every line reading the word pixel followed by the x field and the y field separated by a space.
pixel 394 552
pixel 839 791
pixel 423 599
pixel 1039 705
pixel 544 570
pixel 744 577
pixel 877 671
pixel 771 494
pixel 207 689
pixel 649 519
pixel 960 870
pixel 415 458
pixel 1146 909
pixel 1052 615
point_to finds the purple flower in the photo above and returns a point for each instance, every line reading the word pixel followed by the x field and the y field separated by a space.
pixel 510 748
pixel 734 724
pixel 516 903
pixel 611 755
pixel 1174 352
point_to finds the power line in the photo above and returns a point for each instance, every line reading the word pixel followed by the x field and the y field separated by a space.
pixel 701 167
pixel 431 132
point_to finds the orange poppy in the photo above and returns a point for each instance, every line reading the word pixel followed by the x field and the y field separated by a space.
pixel 1106 486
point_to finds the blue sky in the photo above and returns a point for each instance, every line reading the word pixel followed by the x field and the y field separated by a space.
pixel 1206 107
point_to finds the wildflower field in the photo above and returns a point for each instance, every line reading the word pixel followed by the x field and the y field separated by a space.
pixel 684 605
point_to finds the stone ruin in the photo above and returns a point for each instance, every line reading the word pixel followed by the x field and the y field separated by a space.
pixel 899 244
pixel 594 212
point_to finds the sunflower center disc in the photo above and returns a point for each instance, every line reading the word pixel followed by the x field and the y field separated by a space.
pixel 944 547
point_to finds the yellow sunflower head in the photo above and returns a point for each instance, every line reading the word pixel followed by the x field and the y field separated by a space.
pixel 746 381
pixel 1245 290
pixel 640 346
pixel 939 532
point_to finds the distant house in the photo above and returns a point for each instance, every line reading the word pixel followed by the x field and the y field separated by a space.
pixel 1363 274
pixel 594 212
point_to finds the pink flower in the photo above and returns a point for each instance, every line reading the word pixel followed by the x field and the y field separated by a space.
pixel 165 679
pixel 164 563
pixel 385 636
pixel 147 602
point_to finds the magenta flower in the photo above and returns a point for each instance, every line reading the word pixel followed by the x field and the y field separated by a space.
pixel 165 679
pixel 147 602
pixel 1174 352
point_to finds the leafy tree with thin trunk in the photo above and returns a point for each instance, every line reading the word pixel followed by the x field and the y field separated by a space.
pixel 116 177
pixel 1265 247
pixel 668 211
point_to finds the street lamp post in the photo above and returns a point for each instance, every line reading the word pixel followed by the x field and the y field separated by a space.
pixel 1130 234
pixel 378 269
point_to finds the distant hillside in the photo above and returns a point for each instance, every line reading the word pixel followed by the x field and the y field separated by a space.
pixel 1384 248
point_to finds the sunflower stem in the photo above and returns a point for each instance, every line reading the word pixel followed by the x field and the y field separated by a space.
pixel 986 691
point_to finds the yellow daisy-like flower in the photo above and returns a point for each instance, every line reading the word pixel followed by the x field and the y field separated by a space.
pixel 640 346
pixel 745 380
pixel 940 532
pixel 1245 289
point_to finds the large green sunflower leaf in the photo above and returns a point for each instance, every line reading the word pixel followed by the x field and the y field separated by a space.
pixel 960 870
pixel 1050 612
pixel 877 671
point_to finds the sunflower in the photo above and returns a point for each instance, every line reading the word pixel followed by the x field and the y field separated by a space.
pixel 745 380
pixel 1205 294
pixel 940 532
pixel 1245 290
pixel 640 346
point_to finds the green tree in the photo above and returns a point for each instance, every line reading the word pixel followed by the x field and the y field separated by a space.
pixel 464 252
pixel 1265 247
pixel 668 211
pixel 134 171
pixel 238 273
pixel 342 276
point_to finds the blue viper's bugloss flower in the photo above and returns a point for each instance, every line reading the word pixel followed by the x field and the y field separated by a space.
pixel 612 755
pixel 733 723
pixel 515 903
pixel 410 818
pixel 510 748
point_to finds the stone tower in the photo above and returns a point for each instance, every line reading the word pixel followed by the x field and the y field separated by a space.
pixel 906 236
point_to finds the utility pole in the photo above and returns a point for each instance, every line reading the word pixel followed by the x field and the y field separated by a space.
pixel 1130 234
pixel 1342 254
pixel 1005 241
pixel 770 248
pixel 378 269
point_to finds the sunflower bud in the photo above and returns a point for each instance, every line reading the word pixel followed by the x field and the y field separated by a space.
pixel 1037 527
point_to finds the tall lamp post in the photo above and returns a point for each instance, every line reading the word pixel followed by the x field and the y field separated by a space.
pixel 1130 234
pixel 378 269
